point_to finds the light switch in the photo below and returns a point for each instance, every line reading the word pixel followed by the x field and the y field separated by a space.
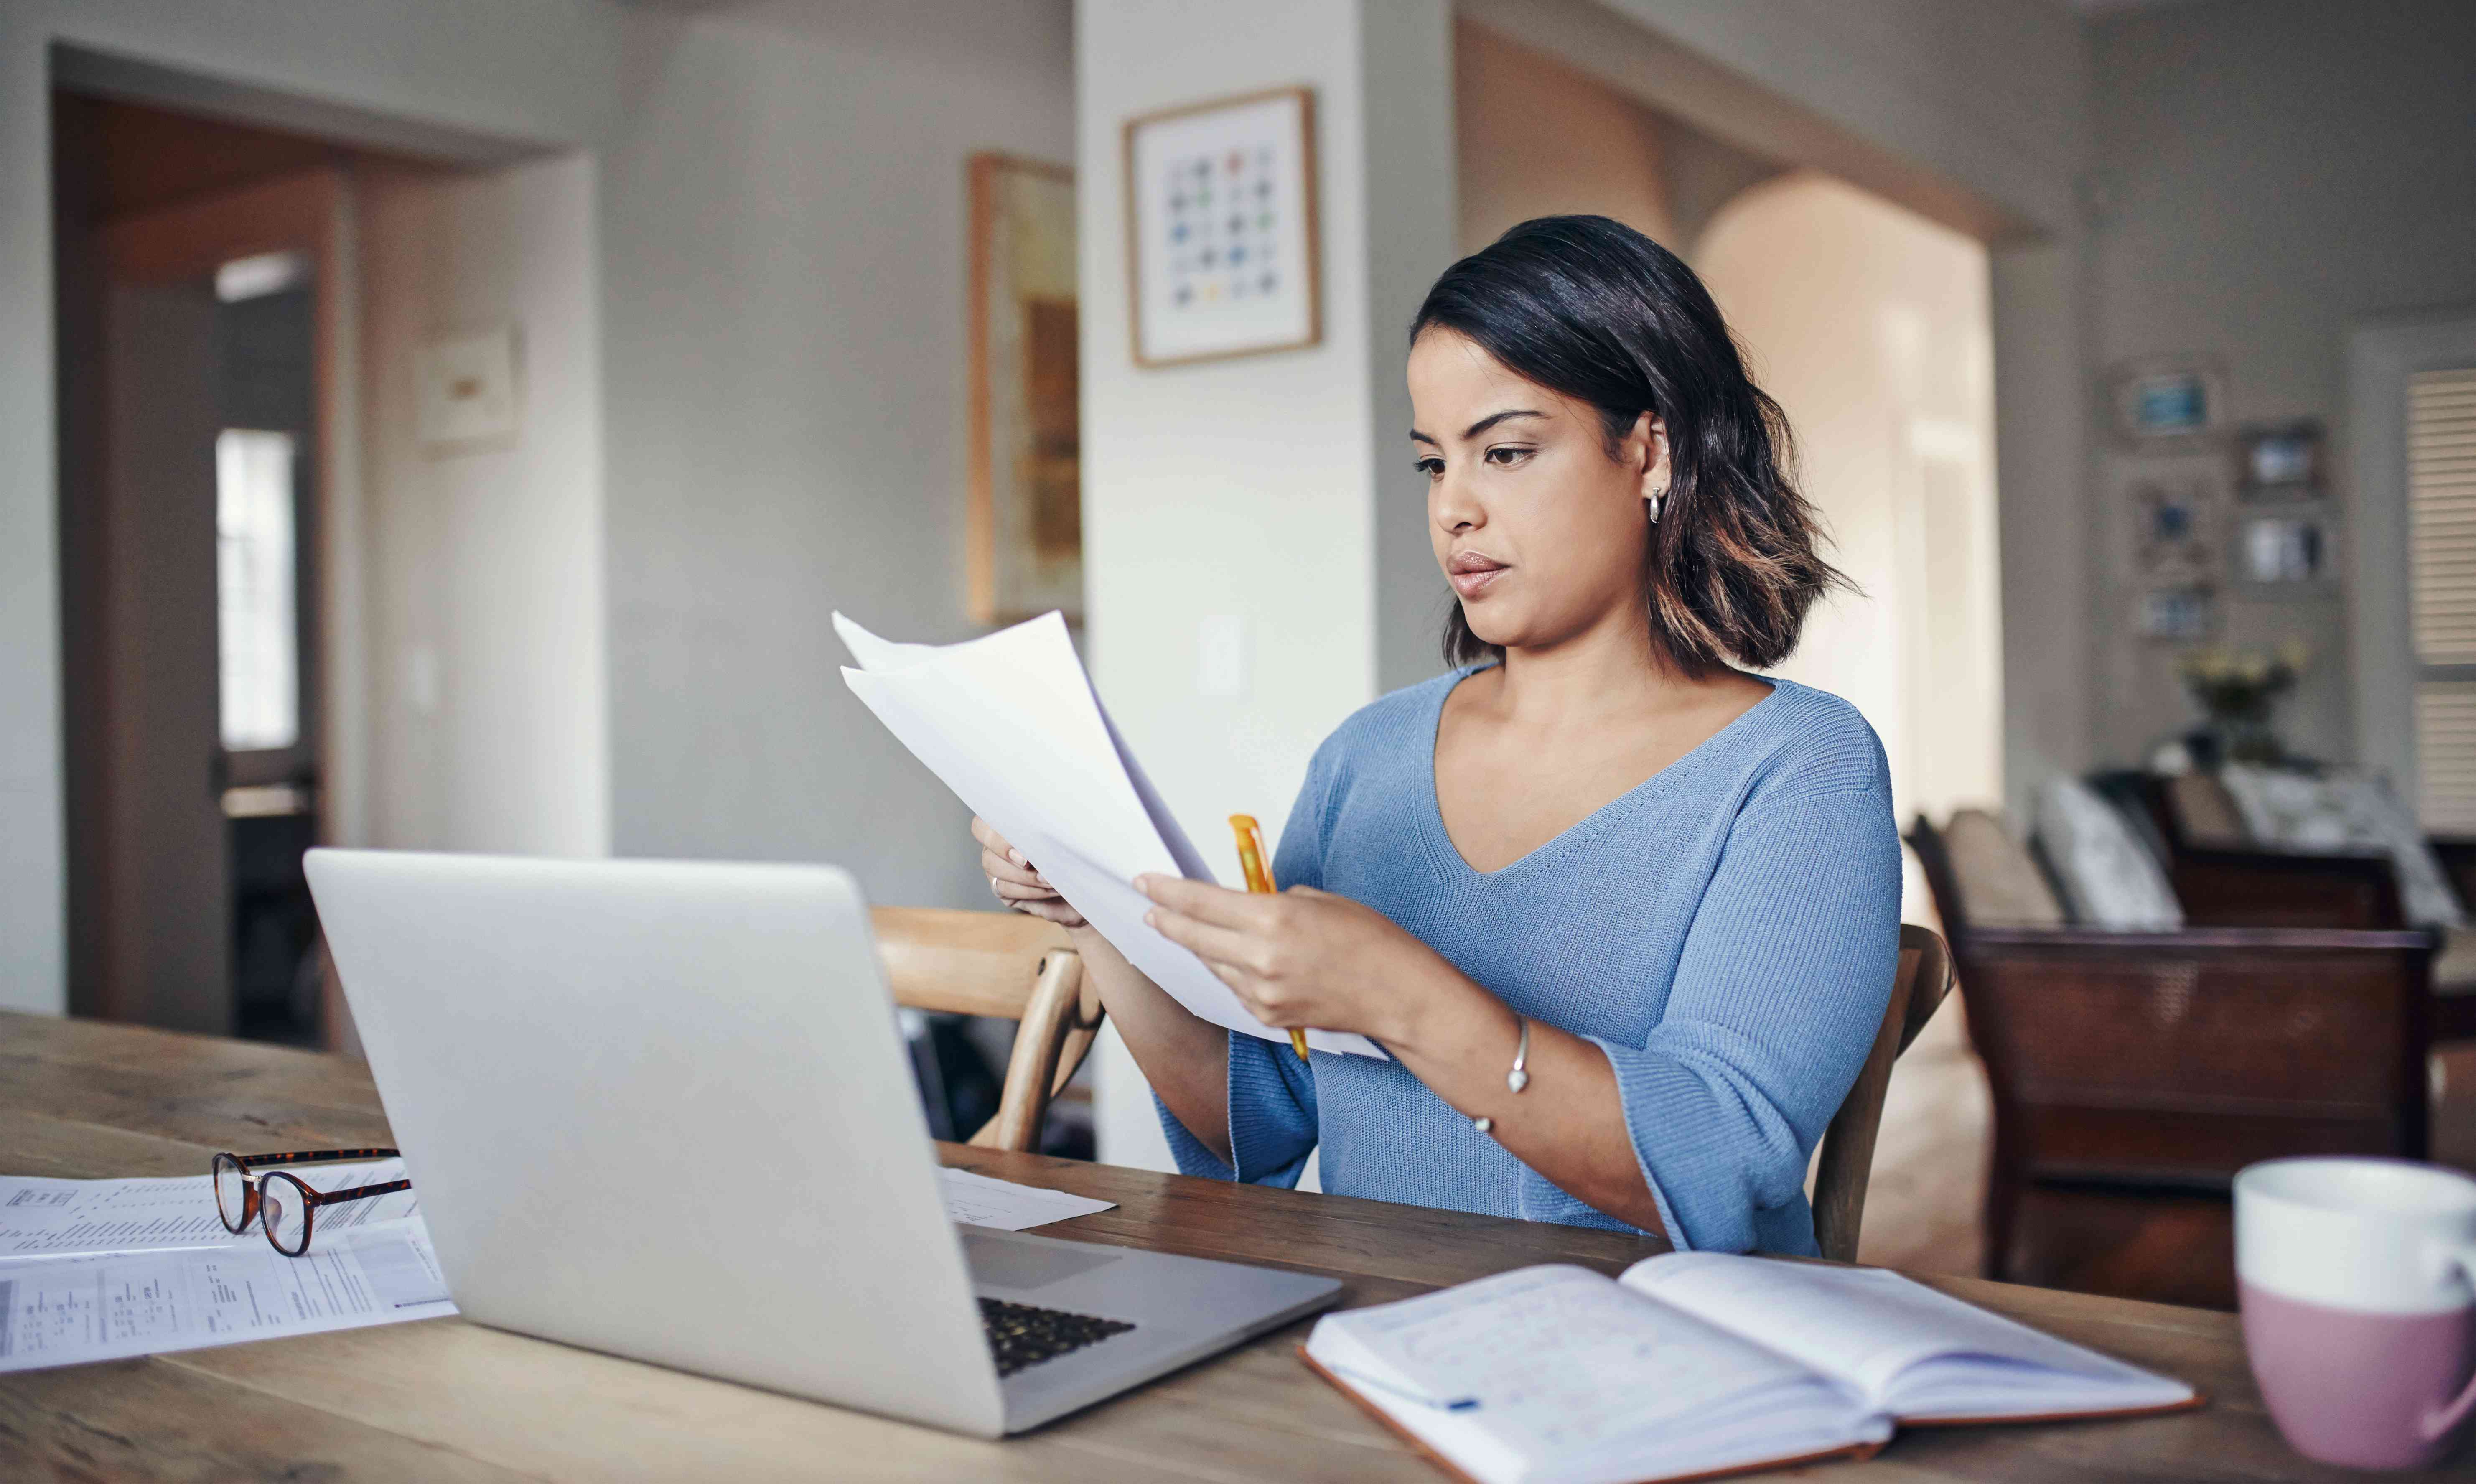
pixel 1220 655
pixel 421 679
pixel 467 389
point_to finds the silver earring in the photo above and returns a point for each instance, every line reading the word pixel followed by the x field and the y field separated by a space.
pixel 1658 503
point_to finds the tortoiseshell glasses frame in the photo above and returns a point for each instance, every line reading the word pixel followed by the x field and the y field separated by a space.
pixel 287 1211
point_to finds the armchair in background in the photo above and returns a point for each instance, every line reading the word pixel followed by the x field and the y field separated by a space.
pixel 2134 1071
pixel 2258 847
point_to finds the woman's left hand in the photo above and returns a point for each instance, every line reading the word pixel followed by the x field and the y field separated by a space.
pixel 1304 958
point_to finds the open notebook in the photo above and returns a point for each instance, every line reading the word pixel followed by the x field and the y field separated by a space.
pixel 1699 1363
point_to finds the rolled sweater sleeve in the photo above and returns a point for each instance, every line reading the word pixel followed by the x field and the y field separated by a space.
pixel 1272 1093
pixel 1779 988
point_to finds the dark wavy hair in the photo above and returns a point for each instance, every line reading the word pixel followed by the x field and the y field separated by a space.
pixel 1596 310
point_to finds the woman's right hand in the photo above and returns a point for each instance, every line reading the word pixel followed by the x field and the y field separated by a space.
pixel 1017 883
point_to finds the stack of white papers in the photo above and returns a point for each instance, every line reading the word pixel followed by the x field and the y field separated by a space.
pixel 40 1217
pixel 1011 724
pixel 103 1269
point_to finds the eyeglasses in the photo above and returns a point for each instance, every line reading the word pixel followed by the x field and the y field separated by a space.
pixel 284 1205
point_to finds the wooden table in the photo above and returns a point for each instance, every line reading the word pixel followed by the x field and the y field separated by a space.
pixel 446 1399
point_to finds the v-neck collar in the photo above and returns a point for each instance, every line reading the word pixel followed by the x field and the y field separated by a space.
pixel 1449 856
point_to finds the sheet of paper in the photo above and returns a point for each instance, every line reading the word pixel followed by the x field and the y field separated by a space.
pixel 1011 724
pixel 47 1218
pixel 64 1311
pixel 982 1202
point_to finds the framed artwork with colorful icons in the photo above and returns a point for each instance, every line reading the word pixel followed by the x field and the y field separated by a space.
pixel 1220 227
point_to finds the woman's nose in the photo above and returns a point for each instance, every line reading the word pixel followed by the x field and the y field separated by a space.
pixel 1451 507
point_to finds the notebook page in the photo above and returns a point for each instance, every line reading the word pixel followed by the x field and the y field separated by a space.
pixel 1010 722
pixel 1869 1326
pixel 1561 1368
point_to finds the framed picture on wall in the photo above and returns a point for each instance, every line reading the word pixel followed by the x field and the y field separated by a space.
pixel 2280 460
pixel 2178 614
pixel 2178 527
pixel 1025 528
pixel 2168 398
pixel 2284 550
pixel 1221 228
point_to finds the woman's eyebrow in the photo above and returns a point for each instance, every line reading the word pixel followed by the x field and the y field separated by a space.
pixel 1479 427
pixel 1493 418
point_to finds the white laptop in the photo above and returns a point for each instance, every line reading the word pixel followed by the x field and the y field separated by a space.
pixel 663 1110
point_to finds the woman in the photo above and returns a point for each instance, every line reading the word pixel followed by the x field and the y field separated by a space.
pixel 1625 916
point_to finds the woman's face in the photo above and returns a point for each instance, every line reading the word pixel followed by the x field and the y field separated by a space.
pixel 1539 529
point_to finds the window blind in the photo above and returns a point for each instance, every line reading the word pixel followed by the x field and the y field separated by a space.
pixel 2441 556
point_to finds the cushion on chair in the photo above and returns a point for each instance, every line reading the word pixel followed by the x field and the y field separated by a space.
pixel 2454 968
pixel 2111 880
pixel 2206 813
pixel 2000 885
pixel 2341 811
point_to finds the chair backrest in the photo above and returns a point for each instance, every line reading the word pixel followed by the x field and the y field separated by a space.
pixel 1917 990
pixel 1006 965
pixel 2170 1061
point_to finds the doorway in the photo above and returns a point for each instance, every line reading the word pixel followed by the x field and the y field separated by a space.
pixel 200 298
pixel 1872 327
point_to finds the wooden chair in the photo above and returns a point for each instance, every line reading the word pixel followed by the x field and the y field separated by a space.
pixel 2133 1074
pixel 1917 990
pixel 1006 965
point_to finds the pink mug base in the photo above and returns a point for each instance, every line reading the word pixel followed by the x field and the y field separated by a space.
pixel 2353 1387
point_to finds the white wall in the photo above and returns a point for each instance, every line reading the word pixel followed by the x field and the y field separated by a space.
pixel 483 566
pixel 784 227
pixel 1274 487
pixel 452 71
pixel 1535 138
pixel 2269 174
pixel 780 206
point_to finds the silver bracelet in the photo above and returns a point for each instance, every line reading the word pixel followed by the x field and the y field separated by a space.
pixel 1515 1079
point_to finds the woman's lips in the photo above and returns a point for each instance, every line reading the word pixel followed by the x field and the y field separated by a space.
pixel 1472 575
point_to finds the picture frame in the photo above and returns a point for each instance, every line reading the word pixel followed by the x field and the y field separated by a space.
pixel 1023 531
pixel 2169 398
pixel 1222 248
pixel 2285 551
pixel 2179 614
pixel 2280 460
pixel 2178 527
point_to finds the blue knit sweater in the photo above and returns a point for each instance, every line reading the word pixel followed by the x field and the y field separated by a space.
pixel 1726 934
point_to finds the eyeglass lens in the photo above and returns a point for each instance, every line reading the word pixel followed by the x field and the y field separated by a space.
pixel 232 1193
pixel 283 1205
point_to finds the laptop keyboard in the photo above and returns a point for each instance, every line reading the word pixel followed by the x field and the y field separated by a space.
pixel 1021 1335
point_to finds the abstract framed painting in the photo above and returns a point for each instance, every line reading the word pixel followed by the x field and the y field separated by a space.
pixel 1221 228
pixel 1025 530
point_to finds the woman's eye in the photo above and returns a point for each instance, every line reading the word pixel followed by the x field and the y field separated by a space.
pixel 1505 457
pixel 1432 467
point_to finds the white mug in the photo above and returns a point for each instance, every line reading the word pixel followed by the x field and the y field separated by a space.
pixel 2358 1279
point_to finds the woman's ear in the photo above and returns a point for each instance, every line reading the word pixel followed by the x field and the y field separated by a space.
pixel 1646 451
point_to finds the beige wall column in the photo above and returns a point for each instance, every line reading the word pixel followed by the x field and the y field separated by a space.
pixel 1266 500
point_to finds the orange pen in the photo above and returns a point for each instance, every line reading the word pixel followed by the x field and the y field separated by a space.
pixel 1258 872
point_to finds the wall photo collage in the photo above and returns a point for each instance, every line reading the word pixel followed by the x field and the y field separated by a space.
pixel 2217 511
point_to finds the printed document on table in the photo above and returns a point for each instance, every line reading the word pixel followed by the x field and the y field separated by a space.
pixel 981 1202
pixel 1011 724
pixel 47 1218
pixel 64 1311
